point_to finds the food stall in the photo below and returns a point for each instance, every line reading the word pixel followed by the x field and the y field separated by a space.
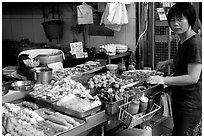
pixel 71 101
pixel 91 78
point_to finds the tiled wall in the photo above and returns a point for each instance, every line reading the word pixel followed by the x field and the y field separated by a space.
pixel 25 22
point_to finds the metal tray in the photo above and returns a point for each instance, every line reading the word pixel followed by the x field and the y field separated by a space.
pixel 76 113
pixel 40 111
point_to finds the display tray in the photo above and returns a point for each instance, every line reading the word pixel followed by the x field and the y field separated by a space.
pixel 42 111
pixel 76 113
pixel 42 101
pixel 138 74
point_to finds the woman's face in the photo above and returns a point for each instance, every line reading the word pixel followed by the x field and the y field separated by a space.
pixel 179 25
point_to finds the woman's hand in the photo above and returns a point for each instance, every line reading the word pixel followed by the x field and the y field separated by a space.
pixel 161 65
pixel 156 80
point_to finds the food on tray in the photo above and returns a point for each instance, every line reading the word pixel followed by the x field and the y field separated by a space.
pixel 138 74
pixel 57 122
pixel 67 118
pixel 77 70
pixel 24 114
pixel 20 121
pixel 58 89
pixel 78 104
pixel 110 87
pixel 14 128
pixel 30 105
pixel 106 80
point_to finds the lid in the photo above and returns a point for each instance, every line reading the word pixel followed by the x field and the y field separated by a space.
pixel 32 53
pixel 136 101
pixel 144 99
pixel 41 69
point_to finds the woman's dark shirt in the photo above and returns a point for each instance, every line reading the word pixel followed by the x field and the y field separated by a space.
pixel 189 96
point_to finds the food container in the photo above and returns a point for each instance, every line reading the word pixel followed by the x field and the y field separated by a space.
pixel 120 48
pixel 112 67
pixel 8 70
pixel 23 85
pixel 112 108
pixel 45 56
pixel 75 113
pixel 41 75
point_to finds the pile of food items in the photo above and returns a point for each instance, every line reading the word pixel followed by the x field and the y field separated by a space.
pixel 18 120
pixel 110 87
pixel 107 79
pixel 139 74
pixel 58 89
pixel 66 93
pixel 77 70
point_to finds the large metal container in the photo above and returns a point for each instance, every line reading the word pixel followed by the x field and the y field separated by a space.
pixel 45 56
pixel 41 75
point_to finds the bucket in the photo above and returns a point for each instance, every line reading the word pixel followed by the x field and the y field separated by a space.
pixel 41 75
pixel 53 29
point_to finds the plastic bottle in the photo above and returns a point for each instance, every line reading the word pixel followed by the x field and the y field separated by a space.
pixel 150 104
pixel 143 104
pixel 134 107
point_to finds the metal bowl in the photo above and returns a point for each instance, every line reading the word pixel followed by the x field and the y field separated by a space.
pixel 23 85
pixel 5 87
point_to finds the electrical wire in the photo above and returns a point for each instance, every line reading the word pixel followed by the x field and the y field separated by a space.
pixel 146 25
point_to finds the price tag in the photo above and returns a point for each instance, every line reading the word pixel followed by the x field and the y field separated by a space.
pixel 55 66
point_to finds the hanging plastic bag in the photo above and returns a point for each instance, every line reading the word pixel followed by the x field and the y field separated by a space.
pixel 114 16
pixel 84 14
pixel 117 13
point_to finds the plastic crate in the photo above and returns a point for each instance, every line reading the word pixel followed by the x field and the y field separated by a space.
pixel 131 120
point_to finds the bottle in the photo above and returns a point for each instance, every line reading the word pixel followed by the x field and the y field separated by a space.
pixel 133 107
pixel 121 67
pixel 150 104
pixel 143 104
pixel 131 66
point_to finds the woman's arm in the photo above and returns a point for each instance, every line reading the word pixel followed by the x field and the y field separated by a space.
pixel 192 77
pixel 194 71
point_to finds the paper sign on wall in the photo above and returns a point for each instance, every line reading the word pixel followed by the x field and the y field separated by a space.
pixel 162 15
pixel 76 47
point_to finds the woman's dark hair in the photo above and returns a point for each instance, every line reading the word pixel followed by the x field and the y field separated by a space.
pixel 182 9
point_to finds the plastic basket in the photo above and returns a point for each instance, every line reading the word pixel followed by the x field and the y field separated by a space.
pixel 133 120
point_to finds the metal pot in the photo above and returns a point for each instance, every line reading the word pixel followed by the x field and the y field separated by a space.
pixel 42 75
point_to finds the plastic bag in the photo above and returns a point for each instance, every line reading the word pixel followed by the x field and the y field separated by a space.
pixel 84 14
pixel 114 16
